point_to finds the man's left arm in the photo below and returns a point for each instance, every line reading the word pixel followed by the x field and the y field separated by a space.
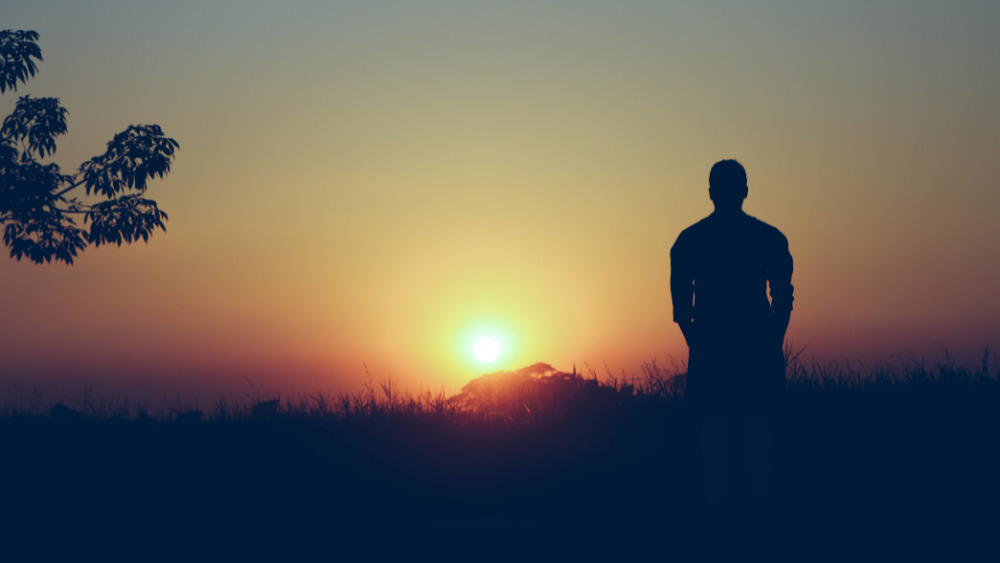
pixel 780 282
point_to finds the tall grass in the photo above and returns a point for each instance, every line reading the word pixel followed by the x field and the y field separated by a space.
pixel 909 441
pixel 532 395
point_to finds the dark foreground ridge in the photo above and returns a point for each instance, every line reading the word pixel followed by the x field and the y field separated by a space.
pixel 901 460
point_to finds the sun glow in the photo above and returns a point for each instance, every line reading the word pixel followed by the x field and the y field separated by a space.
pixel 486 350
pixel 485 345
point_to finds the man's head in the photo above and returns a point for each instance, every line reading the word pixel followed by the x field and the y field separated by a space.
pixel 727 185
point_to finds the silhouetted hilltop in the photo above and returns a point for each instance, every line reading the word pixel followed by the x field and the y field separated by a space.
pixel 533 392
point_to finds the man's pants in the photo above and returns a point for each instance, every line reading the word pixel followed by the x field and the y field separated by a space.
pixel 756 439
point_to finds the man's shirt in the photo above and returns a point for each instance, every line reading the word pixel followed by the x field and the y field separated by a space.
pixel 720 270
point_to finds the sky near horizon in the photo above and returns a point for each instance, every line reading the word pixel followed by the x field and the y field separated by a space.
pixel 366 187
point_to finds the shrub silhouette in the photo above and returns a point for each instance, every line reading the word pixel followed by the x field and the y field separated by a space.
pixel 534 393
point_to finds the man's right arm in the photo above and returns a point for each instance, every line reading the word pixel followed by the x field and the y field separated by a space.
pixel 682 289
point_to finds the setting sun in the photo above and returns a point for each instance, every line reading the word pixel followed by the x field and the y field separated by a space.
pixel 486 350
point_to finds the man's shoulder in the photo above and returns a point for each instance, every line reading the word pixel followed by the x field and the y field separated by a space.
pixel 712 223
pixel 691 233
pixel 766 228
pixel 699 227
pixel 748 226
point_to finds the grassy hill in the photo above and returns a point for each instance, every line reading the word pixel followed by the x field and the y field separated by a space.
pixel 905 456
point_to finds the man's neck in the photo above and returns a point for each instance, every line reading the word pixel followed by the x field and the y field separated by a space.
pixel 728 211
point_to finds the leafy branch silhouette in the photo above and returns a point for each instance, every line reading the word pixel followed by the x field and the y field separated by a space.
pixel 36 210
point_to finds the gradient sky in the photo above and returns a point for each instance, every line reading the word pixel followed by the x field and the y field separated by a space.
pixel 376 183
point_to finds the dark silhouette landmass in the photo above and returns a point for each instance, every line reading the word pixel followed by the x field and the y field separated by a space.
pixel 897 457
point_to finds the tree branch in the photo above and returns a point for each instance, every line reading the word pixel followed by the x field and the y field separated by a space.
pixel 72 187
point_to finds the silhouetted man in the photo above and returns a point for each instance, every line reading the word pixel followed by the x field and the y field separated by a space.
pixel 720 271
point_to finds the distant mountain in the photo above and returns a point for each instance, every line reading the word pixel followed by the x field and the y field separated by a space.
pixel 535 391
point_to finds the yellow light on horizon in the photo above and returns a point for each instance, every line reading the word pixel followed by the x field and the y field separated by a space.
pixel 486 350
pixel 484 344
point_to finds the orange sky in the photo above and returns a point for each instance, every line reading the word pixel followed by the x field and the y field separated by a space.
pixel 374 183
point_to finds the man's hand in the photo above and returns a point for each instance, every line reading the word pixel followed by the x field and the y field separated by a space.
pixel 687 328
pixel 780 327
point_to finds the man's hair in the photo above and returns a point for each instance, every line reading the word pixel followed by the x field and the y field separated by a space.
pixel 727 174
